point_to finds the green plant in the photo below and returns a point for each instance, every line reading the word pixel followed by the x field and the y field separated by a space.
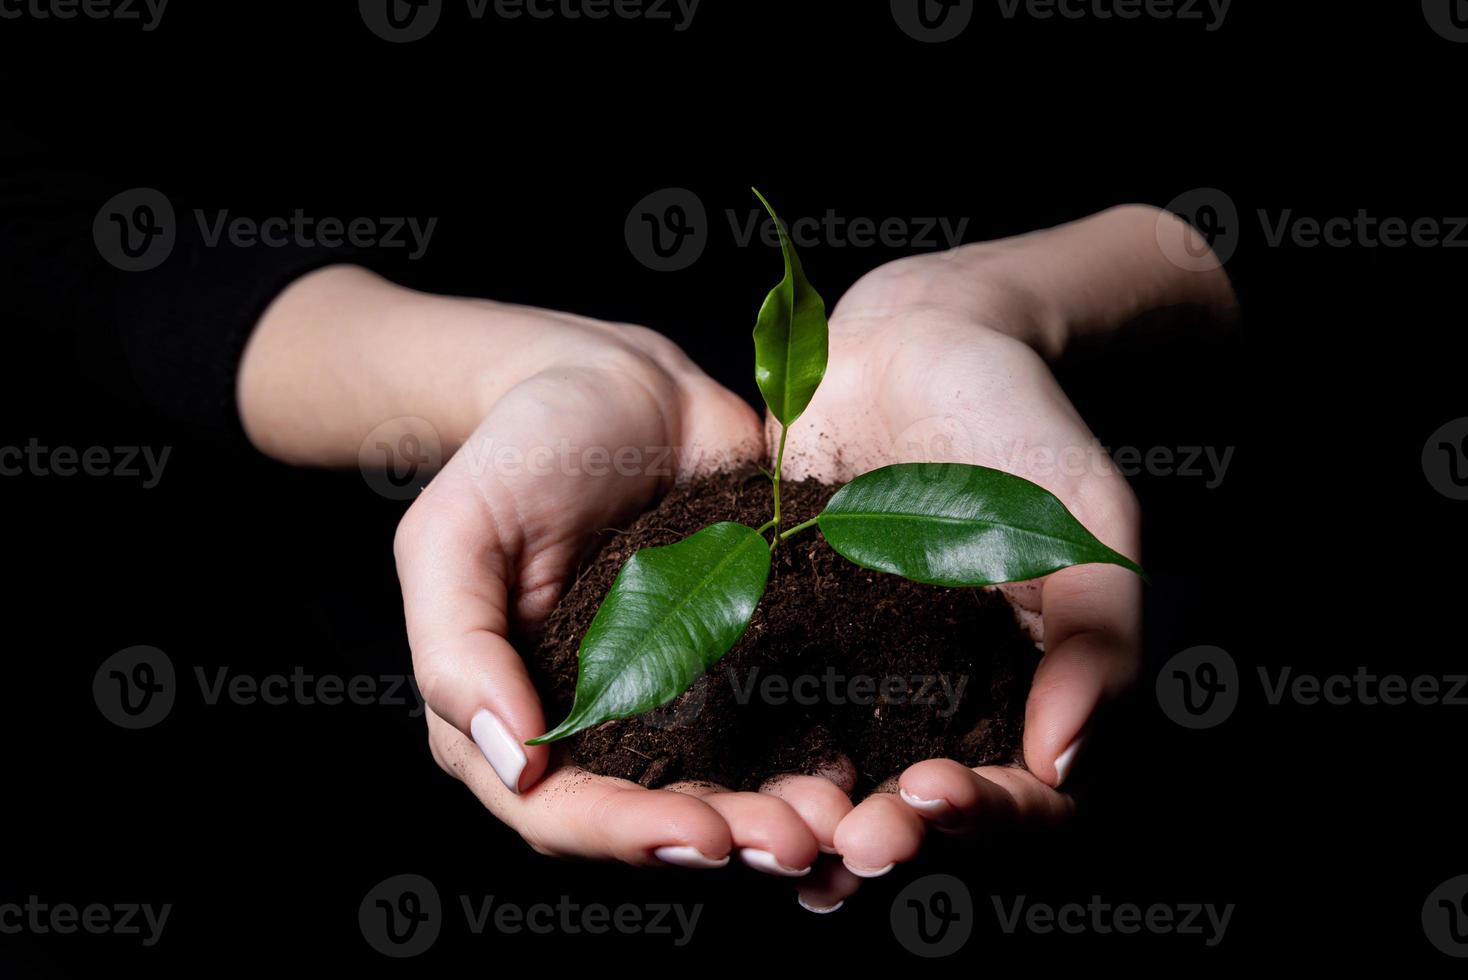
pixel 674 611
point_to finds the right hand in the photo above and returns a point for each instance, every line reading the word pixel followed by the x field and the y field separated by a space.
pixel 486 551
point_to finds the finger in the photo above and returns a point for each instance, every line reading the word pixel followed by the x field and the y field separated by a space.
pixel 970 802
pixel 452 563
pixel 827 888
pixel 819 802
pixel 879 832
pixel 572 813
pixel 1092 617
pixel 769 835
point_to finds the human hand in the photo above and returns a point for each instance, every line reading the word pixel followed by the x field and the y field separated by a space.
pixel 559 427
pixel 939 358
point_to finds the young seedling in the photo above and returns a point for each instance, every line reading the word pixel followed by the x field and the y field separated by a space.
pixel 674 611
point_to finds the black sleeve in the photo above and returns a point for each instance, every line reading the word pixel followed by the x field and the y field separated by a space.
pixel 175 307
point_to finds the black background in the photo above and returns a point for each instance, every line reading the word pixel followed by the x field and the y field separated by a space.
pixel 1324 548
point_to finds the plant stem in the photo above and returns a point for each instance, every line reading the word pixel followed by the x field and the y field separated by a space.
pixel 765 527
pixel 797 529
pixel 779 459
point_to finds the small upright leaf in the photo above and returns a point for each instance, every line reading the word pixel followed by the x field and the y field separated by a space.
pixel 957 524
pixel 789 337
pixel 670 615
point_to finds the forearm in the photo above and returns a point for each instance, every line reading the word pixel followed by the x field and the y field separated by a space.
pixel 342 351
pixel 1091 275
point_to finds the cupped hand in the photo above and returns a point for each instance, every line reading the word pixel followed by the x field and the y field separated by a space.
pixel 937 358
pixel 611 418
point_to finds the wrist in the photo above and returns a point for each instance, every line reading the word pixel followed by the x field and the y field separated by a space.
pixel 1095 274
pixel 342 352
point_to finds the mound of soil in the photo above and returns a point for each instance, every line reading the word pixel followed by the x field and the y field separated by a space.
pixel 838 660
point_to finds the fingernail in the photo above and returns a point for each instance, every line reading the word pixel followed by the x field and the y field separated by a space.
pixel 827 849
pixel 918 803
pixel 688 857
pixel 500 747
pixel 868 872
pixel 1062 763
pixel 818 909
pixel 765 861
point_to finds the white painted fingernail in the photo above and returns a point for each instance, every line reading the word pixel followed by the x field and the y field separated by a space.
pixel 918 803
pixel 765 861
pixel 688 857
pixel 500 747
pixel 868 872
pixel 1063 761
pixel 817 909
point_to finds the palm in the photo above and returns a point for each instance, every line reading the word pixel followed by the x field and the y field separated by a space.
pixel 924 367
pixel 485 553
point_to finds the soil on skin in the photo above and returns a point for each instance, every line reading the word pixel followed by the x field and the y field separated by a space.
pixel 838 660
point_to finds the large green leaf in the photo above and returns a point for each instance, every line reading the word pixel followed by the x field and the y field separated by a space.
pixel 956 524
pixel 790 337
pixel 670 615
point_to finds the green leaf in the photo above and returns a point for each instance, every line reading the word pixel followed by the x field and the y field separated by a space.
pixel 670 615
pixel 790 337
pixel 956 524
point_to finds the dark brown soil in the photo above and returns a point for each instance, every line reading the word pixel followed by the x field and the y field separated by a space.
pixel 838 660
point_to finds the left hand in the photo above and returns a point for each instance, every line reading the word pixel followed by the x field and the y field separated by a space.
pixel 934 359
